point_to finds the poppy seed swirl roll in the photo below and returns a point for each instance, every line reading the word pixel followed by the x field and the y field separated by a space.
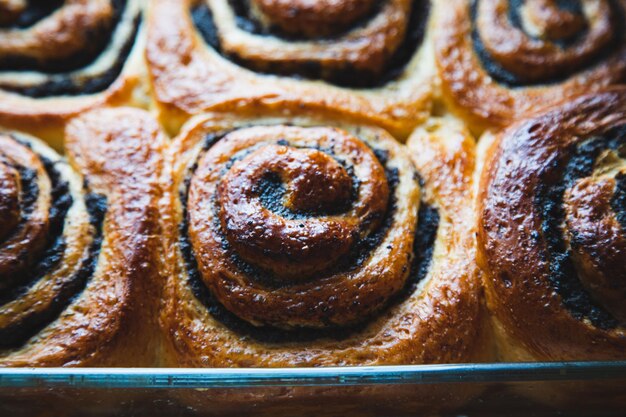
pixel 551 233
pixel 500 60
pixel 312 241
pixel 77 246
pixel 60 58
pixel 368 59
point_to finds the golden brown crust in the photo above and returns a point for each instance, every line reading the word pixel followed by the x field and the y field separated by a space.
pixel 180 63
pixel 11 10
pixel 551 54
pixel 550 237
pixel 310 19
pixel 38 94
pixel 61 35
pixel 369 47
pixel 439 320
pixel 105 275
pixel 299 242
pixel 598 241
pixel 29 237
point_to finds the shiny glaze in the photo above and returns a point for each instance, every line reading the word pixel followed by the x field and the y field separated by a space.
pixel 58 37
pixel 180 62
pixel 550 239
pixel 500 60
pixel 359 56
pixel 310 19
pixel 105 149
pixel 439 320
pixel 299 251
pixel 58 59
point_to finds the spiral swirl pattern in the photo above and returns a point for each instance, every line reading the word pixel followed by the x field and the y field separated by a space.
pixel 79 243
pixel 539 41
pixel 370 60
pixel 309 19
pixel 361 44
pixel 509 56
pixel 274 254
pixel 554 186
pixel 73 47
pixel 50 234
pixel 308 240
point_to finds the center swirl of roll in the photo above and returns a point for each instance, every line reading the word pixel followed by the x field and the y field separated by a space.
pixel 270 201
pixel 595 228
pixel 348 43
pixel 536 41
pixel 302 226
pixel 546 20
pixel 311 18
pixel 563 197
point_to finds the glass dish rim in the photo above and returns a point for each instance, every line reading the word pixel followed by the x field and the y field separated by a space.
pixel 207 378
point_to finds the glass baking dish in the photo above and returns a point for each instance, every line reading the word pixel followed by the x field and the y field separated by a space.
pixel 561 388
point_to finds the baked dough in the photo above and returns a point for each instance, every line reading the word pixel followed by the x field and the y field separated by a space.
pixel 78 247
pixel 500 60
pixel 61 58
pixel 370 60
pixel 551 232
pixel 308 241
